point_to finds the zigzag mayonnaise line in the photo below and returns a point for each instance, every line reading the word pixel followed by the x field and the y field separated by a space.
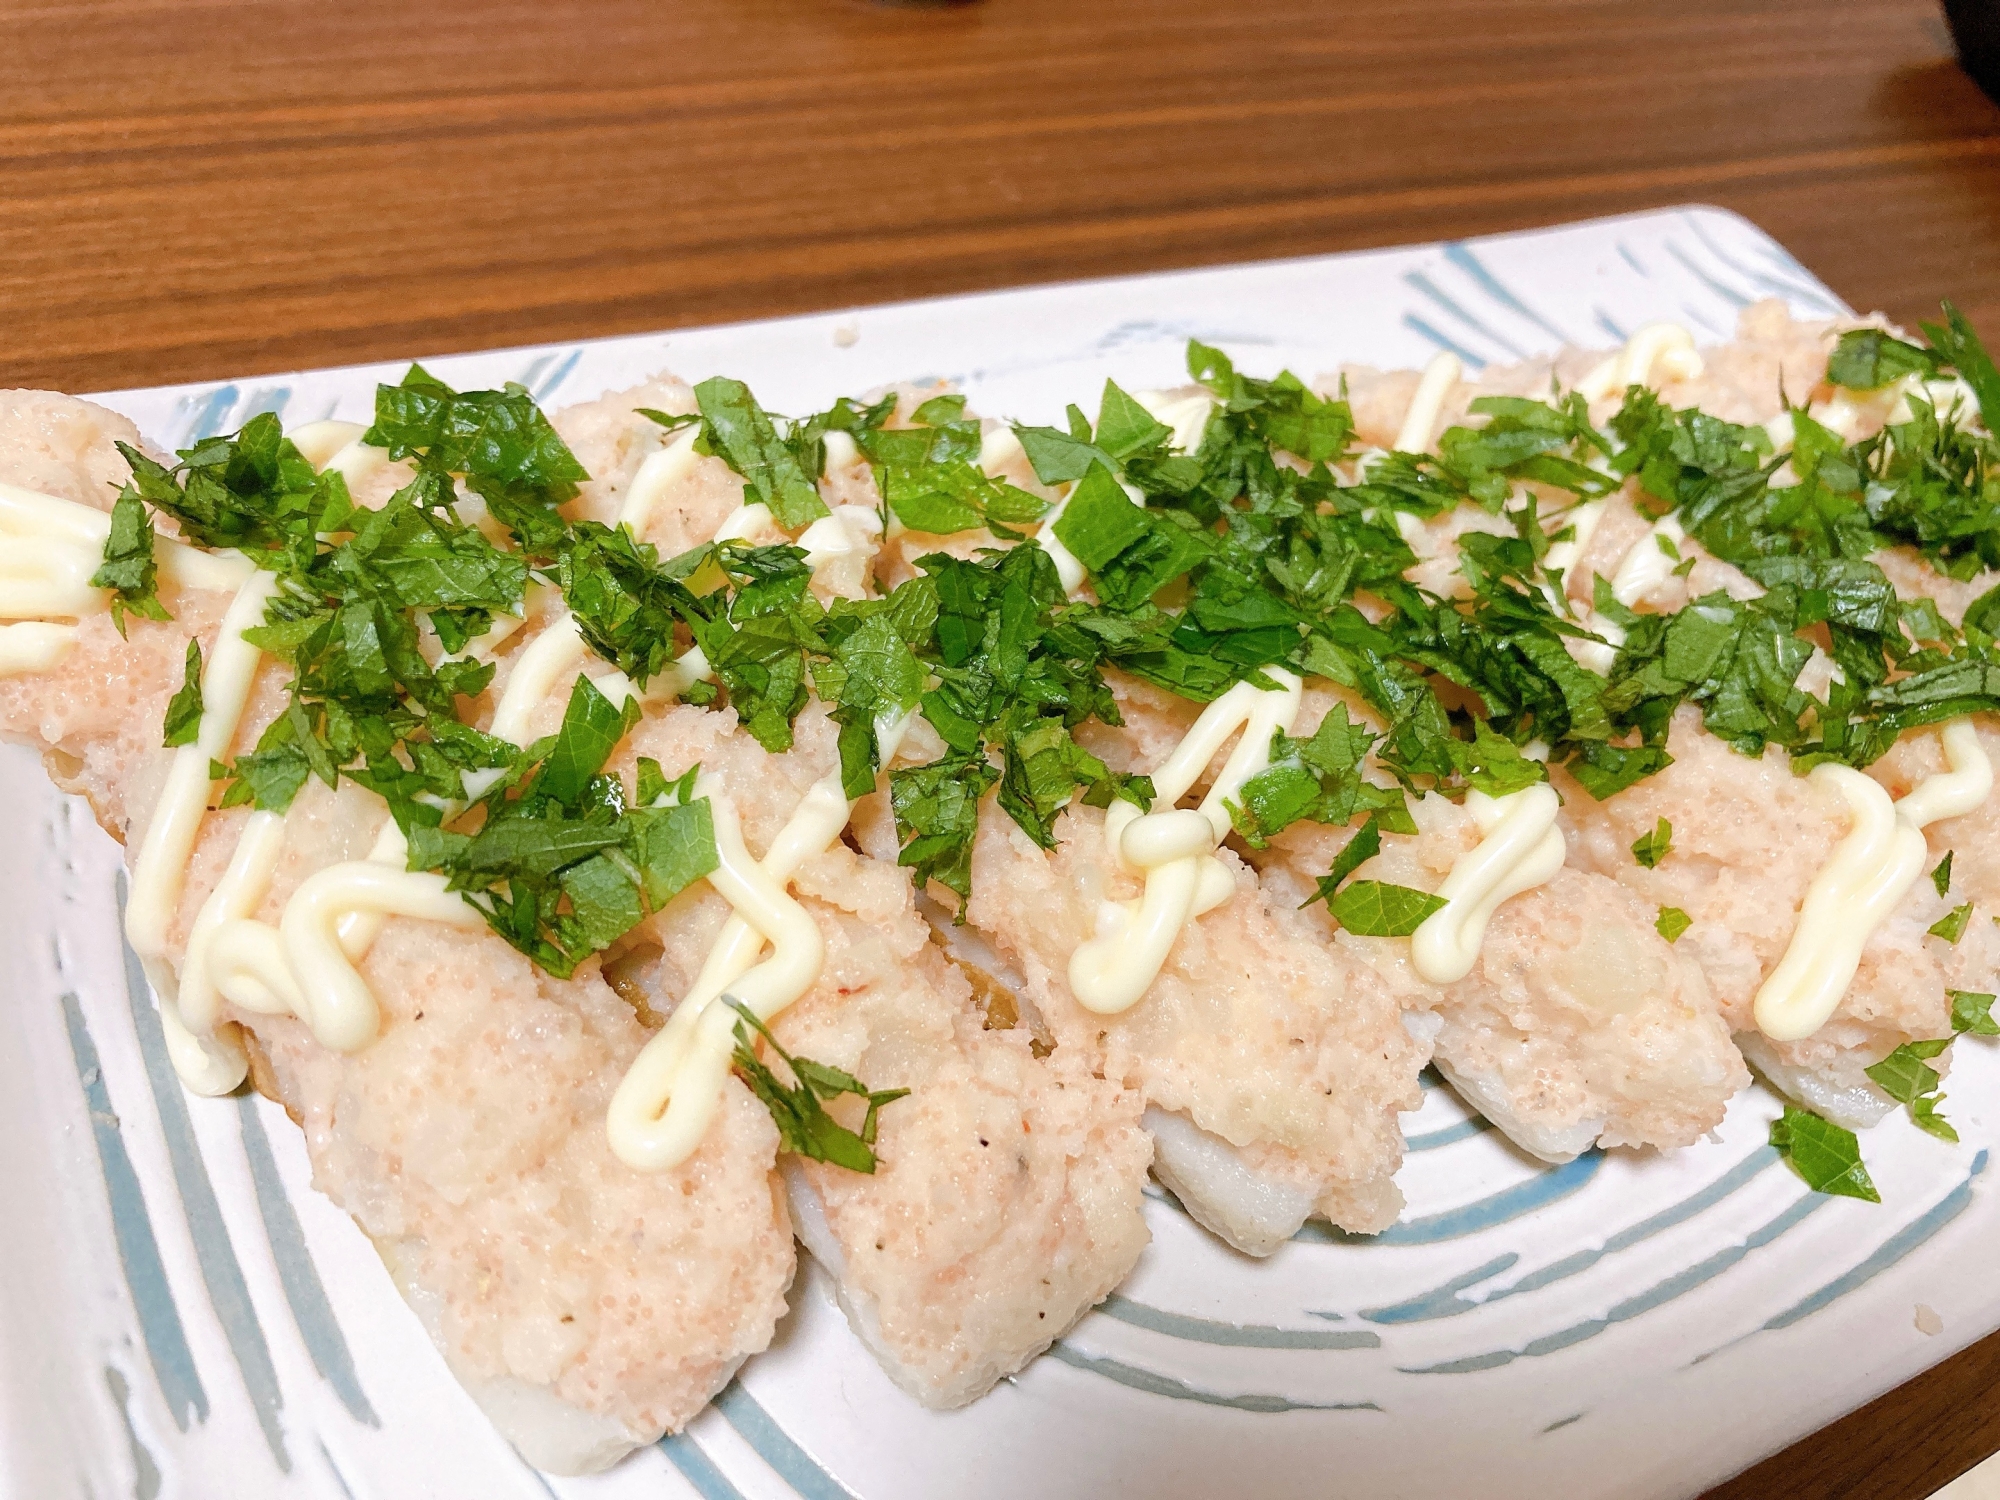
pixel 49 550
pixel 1867 876
pixel 1521 848
pixel 664 1103
pixel 1665 349
pixel 1420 421
pixel 1176 849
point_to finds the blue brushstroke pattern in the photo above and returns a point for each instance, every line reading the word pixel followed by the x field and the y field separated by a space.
pixel 1721 289
pixel 334 1469
pixel 209 413
pixel 1449 345
pixel 697 1468
pixel 1632 260
pixel 1508 1204
pixel 1464 1130
pixel 1438 295
pixel 228 1293
pixel 311 1310
pixel 1658 1295
pixel 1458 255
pixel 1233 1335
pixel 1610 326
pixel 138 1251
pixel 556 376
pixel 1431 290
pixel 270 398
pixel 1441 1301
pixel 1562 1422
pixel 1898 1245
pixel 145 1473
pixel 795 1466
pixel 1154 1384
pixel 1800 288
pixel 1444 1301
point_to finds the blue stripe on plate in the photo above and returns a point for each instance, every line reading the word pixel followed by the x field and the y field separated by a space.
pixel 1792 288
pixel 138 1251
pixel 1464 1130
pixel 1233 1335
pixel 228 1293
pixel 267 398
pixel 1657 1295
pixel 1498 1208
pixel 1431 290
pixel 1611 326
pixel 1456 253
pixel 1444 1301
pixel 311 1310
pixel 774 1445
pixel 1448 345
pixel 206 414
pixel 697 1468
pixel 334 1469
pixel 1898 1245
pixel 1632 260
pixel 1727 293
pixel 1155 1384
pixel 145 1473
pixel 556 376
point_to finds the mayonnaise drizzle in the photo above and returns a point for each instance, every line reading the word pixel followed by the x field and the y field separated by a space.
pixel 336 448
pixel 668 1097
pixel 1420 421
pixel 49 549
pixel 1186 412
pixel 1175 848
pixel 1868 874
pixel 1520 848
pixel 660 473
pixel 1663 349
pixel 160 871
pixel 305 966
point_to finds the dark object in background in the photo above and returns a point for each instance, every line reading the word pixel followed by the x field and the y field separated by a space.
pixel 1975 24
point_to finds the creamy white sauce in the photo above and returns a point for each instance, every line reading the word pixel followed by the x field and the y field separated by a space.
pixel 1520 848
pixel 1640 571
pixel 1186 412
pixel 33 646
pixel 339 1006
pixel 229 954
pixel 1662 350
pixel 160 870
pixel 49 549
pixel 838 451
pixel 1175 848
pixel 848 531
pixel 319 442
pixel 668 1097
pixel 336 447
pixel 1419 427
pixel 1868 874
pixel 1647 564
pixel 1583 521
pixel 661 473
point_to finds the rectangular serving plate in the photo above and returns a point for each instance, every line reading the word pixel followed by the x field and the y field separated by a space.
pixel 180 1314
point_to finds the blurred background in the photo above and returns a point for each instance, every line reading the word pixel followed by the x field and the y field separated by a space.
pixel 199 188
pixel 194 189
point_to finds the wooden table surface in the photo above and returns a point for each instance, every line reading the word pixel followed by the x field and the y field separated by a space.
pixel 198 188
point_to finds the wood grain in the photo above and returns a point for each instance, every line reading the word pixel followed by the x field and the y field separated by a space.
pixel 192 189
pixel 205 187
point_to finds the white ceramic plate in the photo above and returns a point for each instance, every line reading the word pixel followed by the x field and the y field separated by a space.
pixel 181 1315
